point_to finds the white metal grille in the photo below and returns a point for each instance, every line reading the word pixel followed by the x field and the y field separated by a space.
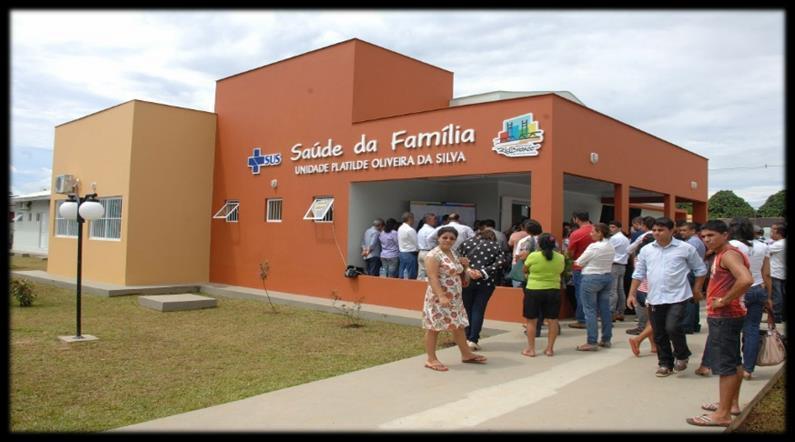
pixel 64 227
pixel 109 226
pixel 274 212
pixel 229 212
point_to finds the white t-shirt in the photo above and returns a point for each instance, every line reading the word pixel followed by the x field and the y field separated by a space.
pixel 778 266
pixel 620 244
pixel 422 237
pixel 597 258
pixel 407 238
pixel 756 257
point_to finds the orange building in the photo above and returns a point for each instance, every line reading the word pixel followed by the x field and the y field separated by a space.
pixel 366 132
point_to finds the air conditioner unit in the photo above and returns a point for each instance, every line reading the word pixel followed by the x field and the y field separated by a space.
pixel 65 184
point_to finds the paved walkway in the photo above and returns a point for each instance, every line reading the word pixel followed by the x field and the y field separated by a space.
pixel 610 390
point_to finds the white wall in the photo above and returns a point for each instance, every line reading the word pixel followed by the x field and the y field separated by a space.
pixel 581 202
pixel 31 235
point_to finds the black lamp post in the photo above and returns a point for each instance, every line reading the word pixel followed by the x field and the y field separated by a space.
pixel 81 209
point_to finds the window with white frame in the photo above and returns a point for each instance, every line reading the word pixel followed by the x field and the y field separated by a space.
pixel 274 210
pixel 229 212
pixel 109 226
pixel 321 209
pixel 64 227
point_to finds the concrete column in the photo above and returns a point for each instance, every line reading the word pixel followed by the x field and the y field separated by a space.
pixel 621 200
pixel 669 206
pixel 699 212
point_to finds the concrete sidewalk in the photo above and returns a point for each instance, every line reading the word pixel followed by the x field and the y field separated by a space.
pixel 610 390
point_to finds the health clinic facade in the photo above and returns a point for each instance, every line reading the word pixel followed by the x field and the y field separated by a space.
pixel 288 168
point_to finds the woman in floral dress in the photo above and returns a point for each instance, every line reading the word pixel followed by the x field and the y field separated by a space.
pixel 444 307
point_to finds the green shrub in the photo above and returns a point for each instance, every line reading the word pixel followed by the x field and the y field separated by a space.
pixel 22 290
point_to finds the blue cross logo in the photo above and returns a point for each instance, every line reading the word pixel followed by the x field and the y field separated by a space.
pixel 256 161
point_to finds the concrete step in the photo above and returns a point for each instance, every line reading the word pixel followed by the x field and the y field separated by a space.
pixel 172 303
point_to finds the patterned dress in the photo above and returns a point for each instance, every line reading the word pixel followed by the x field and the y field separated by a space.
pixel 434 316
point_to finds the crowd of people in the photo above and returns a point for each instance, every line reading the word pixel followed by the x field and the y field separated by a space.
pixel 672 264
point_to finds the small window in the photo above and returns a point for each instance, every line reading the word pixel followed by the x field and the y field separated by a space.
pixel 274 212
pixel 109 226
pixel 64 227
pixel 320 210
pixel 229 212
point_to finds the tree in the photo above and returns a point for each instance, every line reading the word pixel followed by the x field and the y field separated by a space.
pixel 725 204
pixel 776 205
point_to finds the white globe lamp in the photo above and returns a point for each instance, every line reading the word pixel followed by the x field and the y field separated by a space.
pixel 68 210
pixel 91 210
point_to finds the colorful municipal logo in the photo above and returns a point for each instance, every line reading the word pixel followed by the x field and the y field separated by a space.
pixel 519 137
pixel 258 160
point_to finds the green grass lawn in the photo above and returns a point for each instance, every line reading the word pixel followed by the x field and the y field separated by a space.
pixel 147 364
pixel 27 263
pixel 769 414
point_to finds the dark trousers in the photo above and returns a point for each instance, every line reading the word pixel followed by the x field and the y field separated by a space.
pixel 373 265
pixel 666 320
pixel 475 298
pixel 691 323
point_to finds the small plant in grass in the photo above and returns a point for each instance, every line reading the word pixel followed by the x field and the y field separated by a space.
pixel 264 269
pixel 22 291
pixel 351 312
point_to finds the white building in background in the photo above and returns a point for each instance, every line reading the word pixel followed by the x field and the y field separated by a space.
pixel 30 225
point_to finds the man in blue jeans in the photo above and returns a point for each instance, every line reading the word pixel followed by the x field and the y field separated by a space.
pixel 665 264
pixel 578 242
pixel 689 232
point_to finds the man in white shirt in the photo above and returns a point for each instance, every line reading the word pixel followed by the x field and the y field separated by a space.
pixel 618 299
pixel 665 264
pixel 464 232
pixel 424 244
pixel 778 269
pixel 407 246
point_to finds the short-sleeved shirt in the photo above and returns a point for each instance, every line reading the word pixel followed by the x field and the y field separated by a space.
pixel 578 242
pixel 389 244
pixel 544 274
pixel 756 257
pixel 720 282
pixel 778 265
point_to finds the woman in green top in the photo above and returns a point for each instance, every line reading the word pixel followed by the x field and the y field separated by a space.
pixel 542 294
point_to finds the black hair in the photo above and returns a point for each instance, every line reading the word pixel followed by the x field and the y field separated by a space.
pixel 602 228
pixel 664 222
pixel 489 223
pixel 742 230
pixel 391 224
pixel 616 223
pixel 781 228
pixel 582 216
pixel 532 227
pixel 648 221
pixel 546 242
pixel 715 225
pixel 447 229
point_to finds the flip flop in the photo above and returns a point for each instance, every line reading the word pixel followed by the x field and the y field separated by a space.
pixel 549 352
pixel 587 347
pixel 635 347
pixel 478 359
pixel 713 406
pixel 705 421
pixel 436 367
pixel 526 353
pixel 705 372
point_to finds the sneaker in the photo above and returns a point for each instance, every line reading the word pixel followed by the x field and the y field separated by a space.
pixel 473 345
pixel 663 372
pixel 577 325
pixel 634 331
pixel 680 365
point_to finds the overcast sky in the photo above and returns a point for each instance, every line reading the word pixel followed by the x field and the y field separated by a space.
pixel 709 81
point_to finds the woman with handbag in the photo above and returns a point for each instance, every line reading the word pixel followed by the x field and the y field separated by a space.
pixel 443 307
pixel 760 296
